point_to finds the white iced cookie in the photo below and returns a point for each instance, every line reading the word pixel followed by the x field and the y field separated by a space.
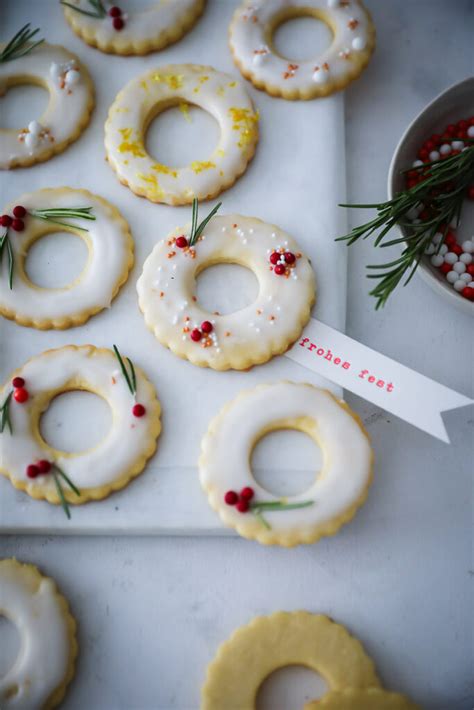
pixel 71 100
pixel 252 29
pixel 48 647
pixel 110 248
pixel 340 487
pixel 35 467
pixel 267 327
pixel 143 98
pixel 113 28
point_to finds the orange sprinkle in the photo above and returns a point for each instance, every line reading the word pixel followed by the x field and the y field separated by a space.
pixel 162 293
pixel 259 312
pixel 298 255
pixel 352 24
pixel 187 319
pixel 271 317
pixel 235 225
pixel 194 299
pixel 185 329
pixel 227 333
pixel 326 66
pixel 216 313
pixel 114 381
pixel 171 254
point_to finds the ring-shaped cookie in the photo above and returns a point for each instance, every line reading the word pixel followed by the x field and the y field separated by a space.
pixel 252 29
pixel 250 336
pixel 96 472
pixel 110 259
pixel 48 646
pixel 145 97
pixel 339 489
pixel 137 31
pixel 71 100
pixel 269 643
pixel 368 699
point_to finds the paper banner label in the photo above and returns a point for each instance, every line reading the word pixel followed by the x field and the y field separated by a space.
pixel 377 378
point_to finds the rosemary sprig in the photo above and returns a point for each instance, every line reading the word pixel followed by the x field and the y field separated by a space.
pixel 442 192
pixel 197 230
pixel 99 9
pixel 131 379
pixel 52 215
pixel 5 420
pixel 5 244
pixel 17 47
pixel 59 474
pixel 258 507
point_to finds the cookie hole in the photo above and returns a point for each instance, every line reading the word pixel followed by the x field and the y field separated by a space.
pixel 226 288
pixel 76 421
pixel 290 687
pixel 14 101
pixel 9 646
pixel 301 38
pixel 181 135
pixel 56 260
pixel 273 462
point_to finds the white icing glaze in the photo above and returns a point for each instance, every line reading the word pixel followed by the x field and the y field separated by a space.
pixel 253 24
pixel 220 94
pixel 109 250
pixel 42 662
pixel 228 443
pixel 140 26
pixel 67 110
pixel 65 369
pixel 167 285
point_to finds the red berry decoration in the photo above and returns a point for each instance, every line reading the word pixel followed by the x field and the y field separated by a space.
pixel 445 268
pixel 196 335
pixel 181 242
pixel 247 493
pixel 5 220
pixel 118 23
pixel 468 293
pixel 18 225
pixel 18 382
pixel 138 410
pixel 20 395
pixel 456 249
pixel 279 269
pixel 207 327
pixel 470 192
pixel 43 466
pixel 243 505
pixel 19 211
pixel 231 498
pixel 115 11
pixel 470 269
pixel 290 258
pixel 32 471
pixel 275 257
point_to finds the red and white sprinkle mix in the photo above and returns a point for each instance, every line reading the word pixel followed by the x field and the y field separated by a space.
pixel 454 260
pixel 283 262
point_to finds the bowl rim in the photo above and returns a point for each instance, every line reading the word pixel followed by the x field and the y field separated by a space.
pixel 423 269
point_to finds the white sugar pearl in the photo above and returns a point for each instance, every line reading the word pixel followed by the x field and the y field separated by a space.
pixel 434 155
pixel 466 259
pixel 443 249
pixel 452 276
pixel 55 70
pixel 438 237
pixel 459 267
pixel 470 131
pixel 466 277
pixel 320 76
pixel 457 145
pixel 35 127
pixel 72 77
pixel 459 285
pixel 468 246
pixel 450 257
pixel 437 260
pixel 470 284
pixel 359 43
pixel 417 163
pixel 31 140
pixel 430 249
pixel 445 149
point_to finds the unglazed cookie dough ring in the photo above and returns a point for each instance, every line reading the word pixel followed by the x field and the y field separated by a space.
pixel 71 100
pixel 137 31
pixel 339 489
pixel 145 97
pixel 252 29
pixel 96 472
pixel 269 643
pixel 110 248
pixel 237 340
pixel 45 663
pixel 368 699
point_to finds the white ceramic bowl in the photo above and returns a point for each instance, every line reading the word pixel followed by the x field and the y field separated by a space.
pixel 449 107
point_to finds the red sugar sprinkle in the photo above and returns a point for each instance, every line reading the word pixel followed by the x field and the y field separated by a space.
pixel 138 410
pixel 32 471
pixel 207 327
pixel 181 242
pixel 43 466
pixel 196 335
pixel 18 382
pixel 279 269
pixel 20 395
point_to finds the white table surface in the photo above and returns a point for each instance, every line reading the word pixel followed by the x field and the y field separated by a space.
pixel 152 611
